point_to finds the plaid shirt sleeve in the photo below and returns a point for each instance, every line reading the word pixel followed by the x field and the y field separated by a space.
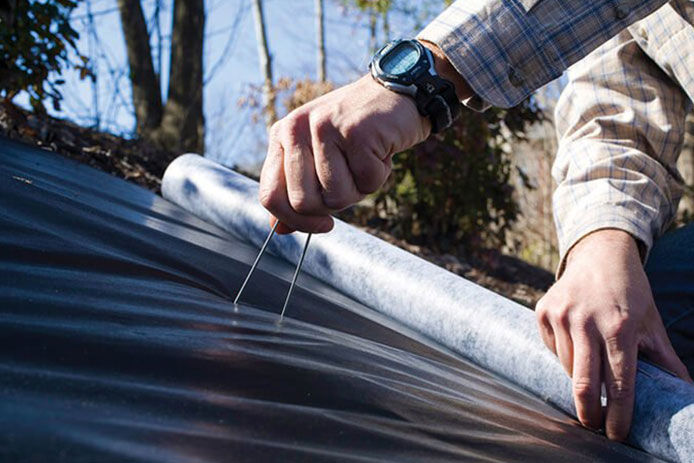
pixel 621 124
pixel 506 49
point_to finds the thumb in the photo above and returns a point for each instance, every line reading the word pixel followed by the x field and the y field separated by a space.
pixel 322 223
pixel 664 355
pixel 282 229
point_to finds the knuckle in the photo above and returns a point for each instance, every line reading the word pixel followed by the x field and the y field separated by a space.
pixel 620 390
pixel 290 129
pixel 268 198
pixel 542 309
pixel 582 323
pixel 615 337
pixel 562 315
pixel 352 133
pixel 584 391
pixel 321 125
pixel 300 202
pixel 553 311
pixel 275 129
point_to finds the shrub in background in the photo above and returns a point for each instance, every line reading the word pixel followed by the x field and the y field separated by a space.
pixel 35 38
pixel 452 193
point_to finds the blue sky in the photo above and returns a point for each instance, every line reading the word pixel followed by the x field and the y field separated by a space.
pixel 231 64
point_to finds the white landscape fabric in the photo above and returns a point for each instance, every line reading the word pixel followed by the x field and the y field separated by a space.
pixel 484 327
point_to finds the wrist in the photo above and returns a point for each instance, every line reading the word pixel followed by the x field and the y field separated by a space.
pixel 618 244
pixel 401 107
pixel 445 69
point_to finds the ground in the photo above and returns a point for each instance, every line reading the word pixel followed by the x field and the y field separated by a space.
pixel 143 164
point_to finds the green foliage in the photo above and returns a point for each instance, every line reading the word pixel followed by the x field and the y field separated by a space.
pixel 452 192
pixel 380 6
pixel 34 40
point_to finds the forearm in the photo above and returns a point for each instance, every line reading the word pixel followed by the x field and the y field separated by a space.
pixel 505 50
pixel 618 147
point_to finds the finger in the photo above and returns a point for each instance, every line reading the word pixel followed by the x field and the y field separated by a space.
pixel 273 195
pixel 586 380
pixel 547 334
pixel 368 170
pixel 282 229
pixel 563 344
pixel 303 188
pixel 661 352
pixel 564 347
pixel 544 325
pixel 619 363
pixel 337 183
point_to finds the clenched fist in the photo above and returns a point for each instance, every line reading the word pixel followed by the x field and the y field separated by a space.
pixel 331 152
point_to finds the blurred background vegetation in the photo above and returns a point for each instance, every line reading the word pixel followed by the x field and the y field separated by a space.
pixel 35 38
pixel 151 79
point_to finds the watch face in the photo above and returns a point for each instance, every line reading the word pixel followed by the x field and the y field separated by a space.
pixel 400 59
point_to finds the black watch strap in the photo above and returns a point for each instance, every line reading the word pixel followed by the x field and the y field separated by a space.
pixel 437 100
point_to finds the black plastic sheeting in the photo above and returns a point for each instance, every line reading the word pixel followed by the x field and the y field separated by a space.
pixel 120 343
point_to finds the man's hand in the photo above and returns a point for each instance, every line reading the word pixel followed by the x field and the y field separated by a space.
pixel 331 152
pixel 596 319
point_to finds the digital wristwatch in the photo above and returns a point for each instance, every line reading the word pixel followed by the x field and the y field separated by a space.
pixel 406 66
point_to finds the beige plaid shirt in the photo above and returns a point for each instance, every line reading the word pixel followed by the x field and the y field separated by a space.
pixel 620 121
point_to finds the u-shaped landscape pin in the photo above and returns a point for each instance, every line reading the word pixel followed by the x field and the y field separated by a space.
pixel 257 259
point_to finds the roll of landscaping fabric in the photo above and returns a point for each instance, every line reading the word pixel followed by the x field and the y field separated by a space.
pixel 486 328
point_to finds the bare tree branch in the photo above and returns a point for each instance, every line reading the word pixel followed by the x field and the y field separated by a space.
pixel 265 64
pixel 320 39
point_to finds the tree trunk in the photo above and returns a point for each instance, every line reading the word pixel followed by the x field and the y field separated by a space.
pixel 265 65
pixel 145 85
pixel 183 123
pixel 320 39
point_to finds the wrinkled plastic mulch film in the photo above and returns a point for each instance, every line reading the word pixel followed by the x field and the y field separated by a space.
pixel 120 343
